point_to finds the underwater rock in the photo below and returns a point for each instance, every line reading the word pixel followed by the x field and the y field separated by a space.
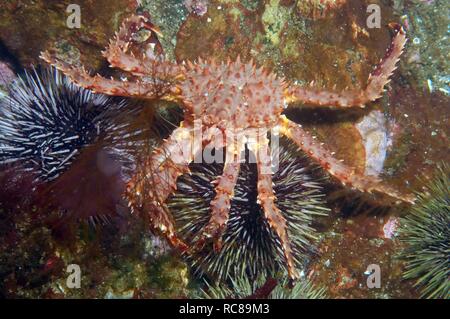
pixel 319 9
pixel 124 295
pixel 168 15
pixel 155 246
pixel 170 276
pixel 347 250
pixel 420 135
pixel 33 261
pixel 27 258
pixel 28 27
pixel 225 31
pixel 6 77
pixel 198 7
pixel 426 58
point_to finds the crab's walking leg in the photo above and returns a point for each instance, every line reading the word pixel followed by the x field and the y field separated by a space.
pixel 336 168
pixel 376 82
pixel 156 179
pixel 221 204
pixel 147 65
pixel 100 84
pixel 266 199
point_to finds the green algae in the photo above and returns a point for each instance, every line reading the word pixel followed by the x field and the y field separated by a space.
pixel 273 19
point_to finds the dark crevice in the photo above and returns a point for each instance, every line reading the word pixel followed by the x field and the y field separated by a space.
pixel 9 58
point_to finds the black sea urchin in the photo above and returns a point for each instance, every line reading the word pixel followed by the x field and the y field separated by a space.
pixel 249 246
pixel 46 120
pixel 425 231
pixel 262 288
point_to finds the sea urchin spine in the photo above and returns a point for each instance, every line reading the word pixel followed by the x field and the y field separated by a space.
pixel 46 121
pixel 426 235
pixel 250 245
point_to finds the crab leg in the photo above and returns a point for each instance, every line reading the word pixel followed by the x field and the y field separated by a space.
pixel 155 180
pixel 336 168
pixel 266 199
pixel 100 84
pixel 221 204
pixel 376 82
pixel 147 65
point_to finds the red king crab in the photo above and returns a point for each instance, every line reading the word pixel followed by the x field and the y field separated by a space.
pixel 224 103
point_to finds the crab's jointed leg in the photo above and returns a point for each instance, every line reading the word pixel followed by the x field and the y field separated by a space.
pixel 103 85
pixel 221 204
pixel 345 174
pixel 149 64
pixel 266 199
pixel 376 82
pixel 155 180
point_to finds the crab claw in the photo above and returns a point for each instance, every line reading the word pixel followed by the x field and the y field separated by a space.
pixel 395 26
pixel 153 28
pixel 217 242
pixel 178 243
